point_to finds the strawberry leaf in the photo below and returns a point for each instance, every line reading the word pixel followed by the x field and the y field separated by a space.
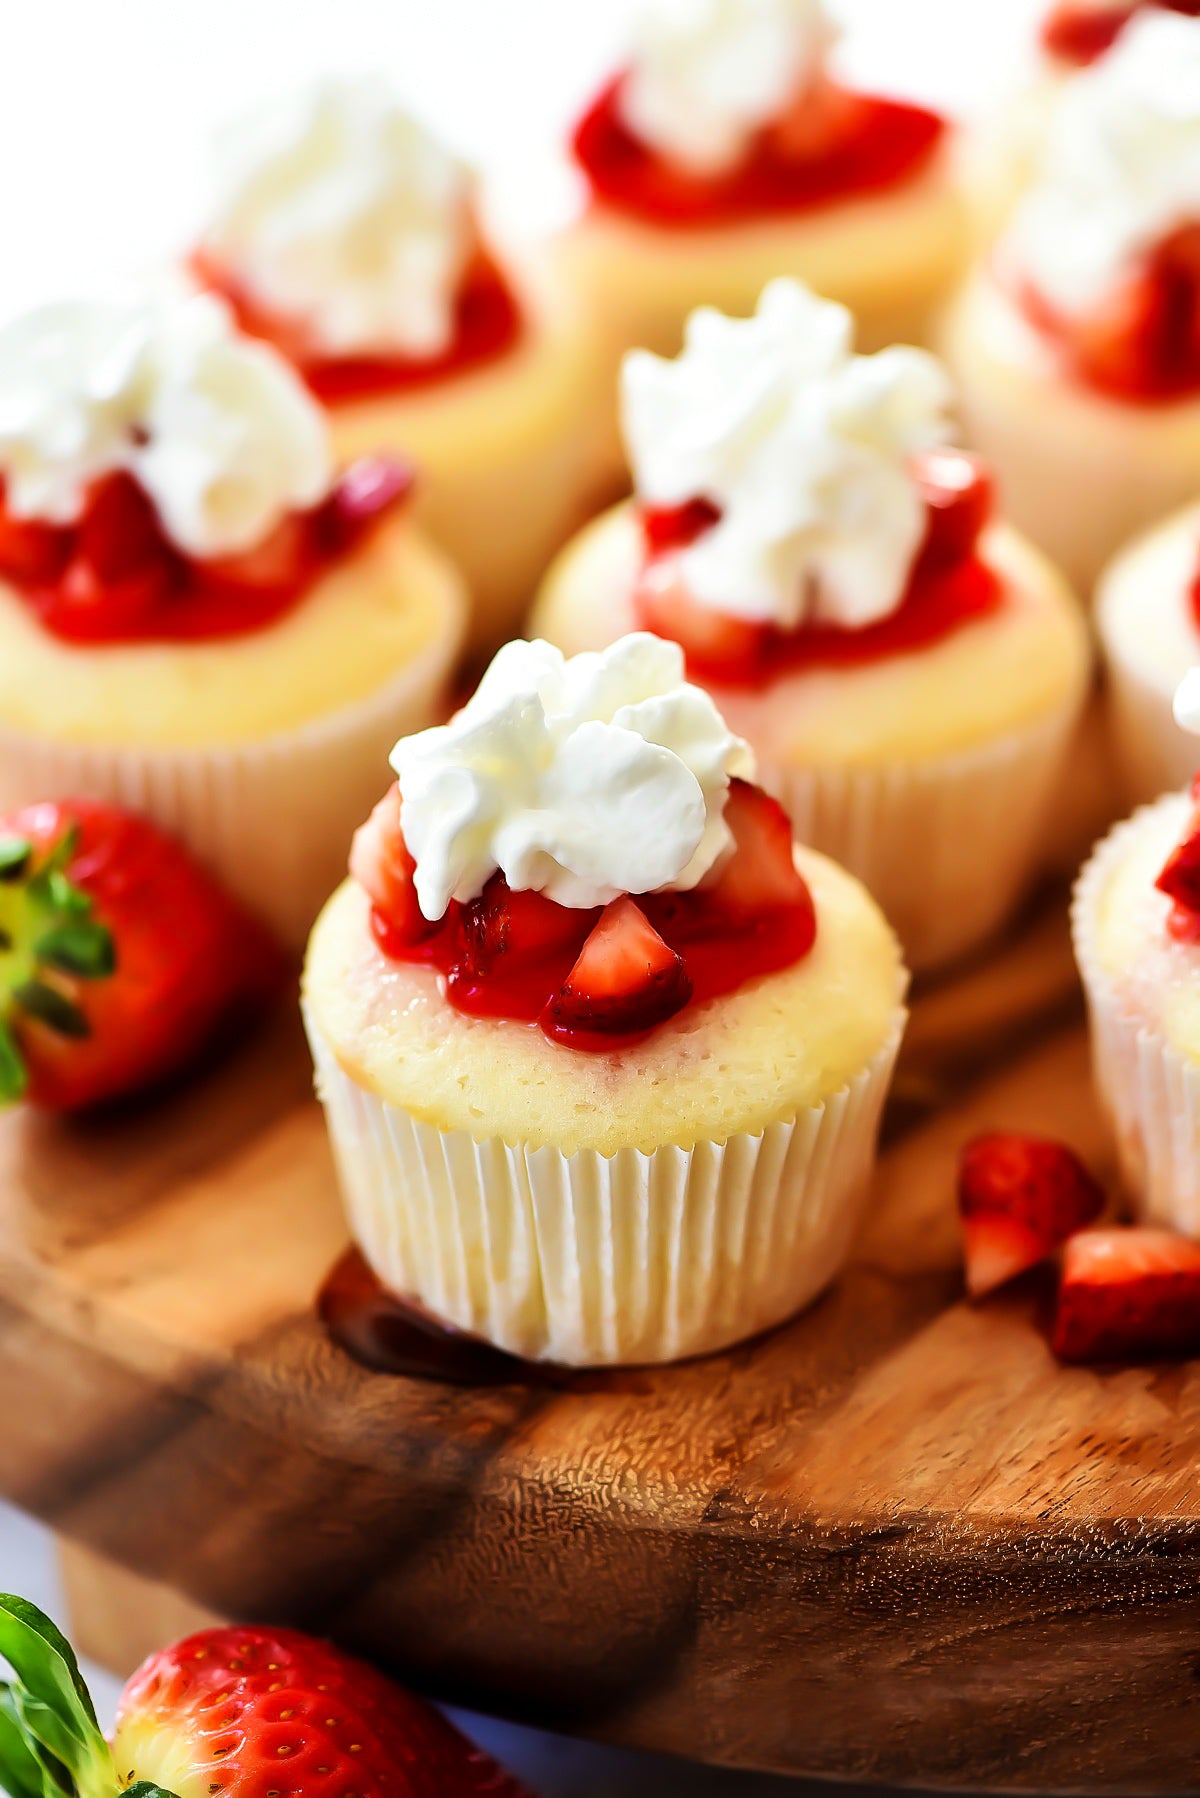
pixel 14 857
pixel 52 1008
pixel 47 1719
pixel 81 947
pixel 14 1076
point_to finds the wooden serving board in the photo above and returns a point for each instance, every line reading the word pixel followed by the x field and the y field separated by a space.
pixel 894 1541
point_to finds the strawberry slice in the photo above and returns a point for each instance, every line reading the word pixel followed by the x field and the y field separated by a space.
pixel 1020 1198
pixel 625 981
pixel 366 491
pixel 1131 1294
pixel 119 955
pixel 958 493
pixel 1180 877
pixel 760 875
pixel 248 1712
pixel 380 862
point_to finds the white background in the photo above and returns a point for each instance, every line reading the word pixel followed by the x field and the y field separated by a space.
pixel 105 108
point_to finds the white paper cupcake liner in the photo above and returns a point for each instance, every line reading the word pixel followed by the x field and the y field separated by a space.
pixel 594 1260
pixel 1150 1092
pixel 272 819
pixel 947 845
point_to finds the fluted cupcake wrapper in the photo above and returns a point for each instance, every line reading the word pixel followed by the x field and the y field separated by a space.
pixel 946 845
pixel 1150 1092
pixel 272 819
pixel 594 1260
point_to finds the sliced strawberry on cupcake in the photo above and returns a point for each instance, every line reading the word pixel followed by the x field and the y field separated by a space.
pixel 119 955
pixel 1020 1198
pixel 1128 1295
pixel 228 1713
pixel 626 980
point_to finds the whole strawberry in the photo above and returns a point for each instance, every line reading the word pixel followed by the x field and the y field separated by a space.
pixel 229 1713
pixel 119 954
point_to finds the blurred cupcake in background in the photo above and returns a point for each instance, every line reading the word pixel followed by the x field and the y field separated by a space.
pixel 726 151
pixel 350 238
pixel 1077 348
pixel 1136 925
pixel 1148 618
pixel 200 618
pixel 908 670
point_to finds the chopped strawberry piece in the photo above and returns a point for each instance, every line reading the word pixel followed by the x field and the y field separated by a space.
pixel 718 646
pixel 365 492
pixel 119 534
pixel 674 527
pixel 626 979
pixel 31 552
pixel 1080 31
pixel 380 862
pixel 503 930
pixel 1020 1198
pixel 1128 1294
pixel 760 875
pixel 958 493
pixel 1180 877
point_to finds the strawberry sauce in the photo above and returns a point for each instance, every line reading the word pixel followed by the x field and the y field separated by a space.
pixel 602 979
pixel 950 586
pixel 488 323
pixel 115 577
pixel 871 144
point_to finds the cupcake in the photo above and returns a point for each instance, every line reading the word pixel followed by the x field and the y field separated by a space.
pixel 199 618
pixel 1148 618
pixel 1077 348
pixel 1136 925
pixel 348 237
pixel 602 1054
pixel 726 151
pixel 907 670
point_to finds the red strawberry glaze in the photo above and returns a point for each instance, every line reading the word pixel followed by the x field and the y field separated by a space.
pixel 1180 878
pixel 1142 344
pixel 522 956
pixel 488 323
pixel 950 586
pixel 870 144
pixel 114 577
pixel 1080 31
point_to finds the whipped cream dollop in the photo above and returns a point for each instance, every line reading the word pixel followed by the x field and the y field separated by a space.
pixel 1121 169
pixel 338 208
pixel 801 444
pixel 705 75
pixel 582 779
pixel 217 429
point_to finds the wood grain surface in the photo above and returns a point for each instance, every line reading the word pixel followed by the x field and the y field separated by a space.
pixel 894 1541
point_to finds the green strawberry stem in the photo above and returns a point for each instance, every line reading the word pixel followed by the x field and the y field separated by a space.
pixel 50 1742
pixel 49 939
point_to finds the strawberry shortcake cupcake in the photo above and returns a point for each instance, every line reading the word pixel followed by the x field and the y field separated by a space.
pixel 908 670
pixel 199 617
pixel 348 237
pixel 1148 618
pixel 1077 348
pixel 1136 923
pixel 726 151
pixel 602 1054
